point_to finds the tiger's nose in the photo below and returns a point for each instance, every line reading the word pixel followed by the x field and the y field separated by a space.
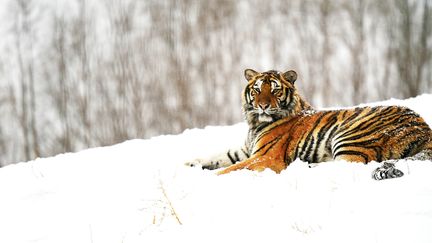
pixel 264 106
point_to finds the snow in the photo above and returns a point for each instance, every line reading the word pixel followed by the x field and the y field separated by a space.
pixel 140 191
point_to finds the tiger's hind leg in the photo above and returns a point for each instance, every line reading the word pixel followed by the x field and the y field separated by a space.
pixel 351 157
pixel 425 154
pixel 387 170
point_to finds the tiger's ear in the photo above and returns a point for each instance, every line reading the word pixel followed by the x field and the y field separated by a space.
pixel 290 76
pixel 249 74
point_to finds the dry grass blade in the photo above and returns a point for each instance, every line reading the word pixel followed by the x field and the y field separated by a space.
pixel 173 211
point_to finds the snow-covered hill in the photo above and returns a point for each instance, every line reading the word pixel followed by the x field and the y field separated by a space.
pixel 139 191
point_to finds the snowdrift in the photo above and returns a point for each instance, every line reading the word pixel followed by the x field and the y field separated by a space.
pixel 139 191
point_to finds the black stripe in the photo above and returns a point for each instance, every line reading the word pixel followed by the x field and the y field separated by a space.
pixel 376 129
pixel 369 120
pixel 291 95
pixel 310 134
pixel 299 122
pixel 378 151
pixel 285 145
pixel 296 154
pixel 331 135
pixel 245 152
pixel 339 144
pixel 271 142
pixel 230 157
pixel 269 127
pixel 236 156
pixel 308 150
pixel 343 114
pixel 380 118
pixel 372 112
pixel 321 135
pixel 365 145
pixel 261 127
pixel 283 102
pixel 351 152
pixel 362 143
pixel 248 97
pixel 356 113
pixel 378 126
pixel 412 148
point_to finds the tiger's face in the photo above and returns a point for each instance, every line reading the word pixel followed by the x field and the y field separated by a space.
pixel 269 96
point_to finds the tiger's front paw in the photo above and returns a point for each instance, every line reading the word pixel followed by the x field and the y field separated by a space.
pixel 194 163
pixel 204 164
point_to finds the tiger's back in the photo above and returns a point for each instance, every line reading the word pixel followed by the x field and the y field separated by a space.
pixel 357 135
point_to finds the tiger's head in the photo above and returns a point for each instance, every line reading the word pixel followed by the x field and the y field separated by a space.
pixel 270 96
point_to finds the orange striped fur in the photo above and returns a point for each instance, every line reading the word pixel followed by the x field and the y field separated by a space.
pixel 284 127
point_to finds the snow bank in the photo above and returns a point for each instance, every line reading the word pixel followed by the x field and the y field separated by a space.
pixel 139 191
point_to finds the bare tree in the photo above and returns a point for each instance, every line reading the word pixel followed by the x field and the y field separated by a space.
pixel 62 94
pixel 410 50
pixel 356 43
pixel 24 49
pixel 325 8
pixel 309 68
pixel 80 28
pixel 424 54
pixel 115 70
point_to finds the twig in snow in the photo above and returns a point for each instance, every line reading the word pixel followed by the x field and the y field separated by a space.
pixel 169 202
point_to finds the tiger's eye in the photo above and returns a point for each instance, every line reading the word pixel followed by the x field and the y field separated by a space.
pixel 257 85
pixel 275 86
pixel 276 90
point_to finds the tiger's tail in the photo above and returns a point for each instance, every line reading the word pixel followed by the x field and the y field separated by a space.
pixel 387 171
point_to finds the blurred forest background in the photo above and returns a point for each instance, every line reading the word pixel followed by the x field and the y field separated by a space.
pixel 83 73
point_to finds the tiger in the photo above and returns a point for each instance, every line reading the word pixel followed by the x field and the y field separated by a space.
pixel 283 126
